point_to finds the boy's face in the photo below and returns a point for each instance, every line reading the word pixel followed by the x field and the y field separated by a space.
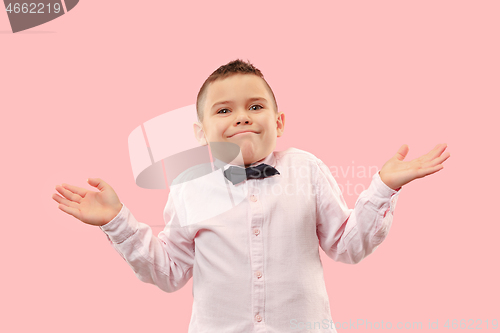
pixel 238 103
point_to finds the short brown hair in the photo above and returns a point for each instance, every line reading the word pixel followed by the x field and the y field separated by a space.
pixel 231 68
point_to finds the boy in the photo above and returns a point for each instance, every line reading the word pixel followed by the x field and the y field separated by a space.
pixel 255 265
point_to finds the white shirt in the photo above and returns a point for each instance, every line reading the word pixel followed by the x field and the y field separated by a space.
pixel 255 258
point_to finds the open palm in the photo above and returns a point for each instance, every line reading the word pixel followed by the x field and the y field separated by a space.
pixel 95 208
pixel 396 172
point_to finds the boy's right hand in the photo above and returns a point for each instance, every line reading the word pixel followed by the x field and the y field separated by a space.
pixel 95 208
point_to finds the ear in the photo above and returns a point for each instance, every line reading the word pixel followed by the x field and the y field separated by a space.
pixel 280 124
pixel 199 133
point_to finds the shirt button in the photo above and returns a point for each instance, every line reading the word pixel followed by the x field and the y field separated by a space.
pixel 258 318
pixel 253 198
pixel 258 274
pixel 256 231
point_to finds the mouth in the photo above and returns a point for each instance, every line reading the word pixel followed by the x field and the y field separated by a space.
pixel 244 132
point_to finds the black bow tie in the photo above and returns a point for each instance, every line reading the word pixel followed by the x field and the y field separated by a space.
pixel 237 174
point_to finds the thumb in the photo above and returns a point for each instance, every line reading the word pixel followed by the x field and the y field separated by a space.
pixel 97 182
pixel 402 152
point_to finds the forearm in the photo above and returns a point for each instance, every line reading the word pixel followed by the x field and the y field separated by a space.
pixel 373 216
pixel 363 228
pixel 147 255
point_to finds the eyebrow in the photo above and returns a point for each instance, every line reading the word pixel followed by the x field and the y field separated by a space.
pixel 253 99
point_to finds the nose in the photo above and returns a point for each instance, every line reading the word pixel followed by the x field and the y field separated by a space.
pixel 242 118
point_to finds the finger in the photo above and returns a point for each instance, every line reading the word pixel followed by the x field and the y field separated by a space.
pixel 444 157
pixel 64 201
pixel 437 151
pixel 429 171
pixel 402 152
pixel 438 160
pixel 98 182
pixel 75 189
pixel 68 194
pixel 71 211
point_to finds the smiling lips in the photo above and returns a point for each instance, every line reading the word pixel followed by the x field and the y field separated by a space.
pixel 242 132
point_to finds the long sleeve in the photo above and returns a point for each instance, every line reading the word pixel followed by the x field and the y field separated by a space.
pixel 349 235
pixel 242 277
pixel 165 260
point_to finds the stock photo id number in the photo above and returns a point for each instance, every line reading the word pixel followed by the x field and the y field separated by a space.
pixel 26 15
pixel 469 324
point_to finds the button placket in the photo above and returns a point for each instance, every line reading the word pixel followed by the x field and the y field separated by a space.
pixel 257 254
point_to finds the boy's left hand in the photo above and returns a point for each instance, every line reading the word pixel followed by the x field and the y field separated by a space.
pixel 396 173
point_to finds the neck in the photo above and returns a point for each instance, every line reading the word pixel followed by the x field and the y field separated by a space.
pixel 247 165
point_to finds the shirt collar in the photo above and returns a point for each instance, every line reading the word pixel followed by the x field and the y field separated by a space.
pixel 269 159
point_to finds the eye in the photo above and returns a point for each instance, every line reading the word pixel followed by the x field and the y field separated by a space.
pixel 222 110
pixel 260 107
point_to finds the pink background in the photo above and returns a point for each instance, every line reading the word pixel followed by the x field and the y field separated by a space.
pixel 356 80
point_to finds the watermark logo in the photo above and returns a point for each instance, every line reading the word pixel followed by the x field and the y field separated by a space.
pixel 357 173
pixel 164 153
pixel 25 15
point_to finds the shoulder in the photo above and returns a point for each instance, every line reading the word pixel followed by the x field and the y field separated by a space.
pixel 191 173
pixel 298 159
pixel 297 156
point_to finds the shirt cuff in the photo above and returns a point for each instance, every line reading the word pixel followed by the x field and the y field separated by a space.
pixel 385 197
pixel 383 188
pixel 121 227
